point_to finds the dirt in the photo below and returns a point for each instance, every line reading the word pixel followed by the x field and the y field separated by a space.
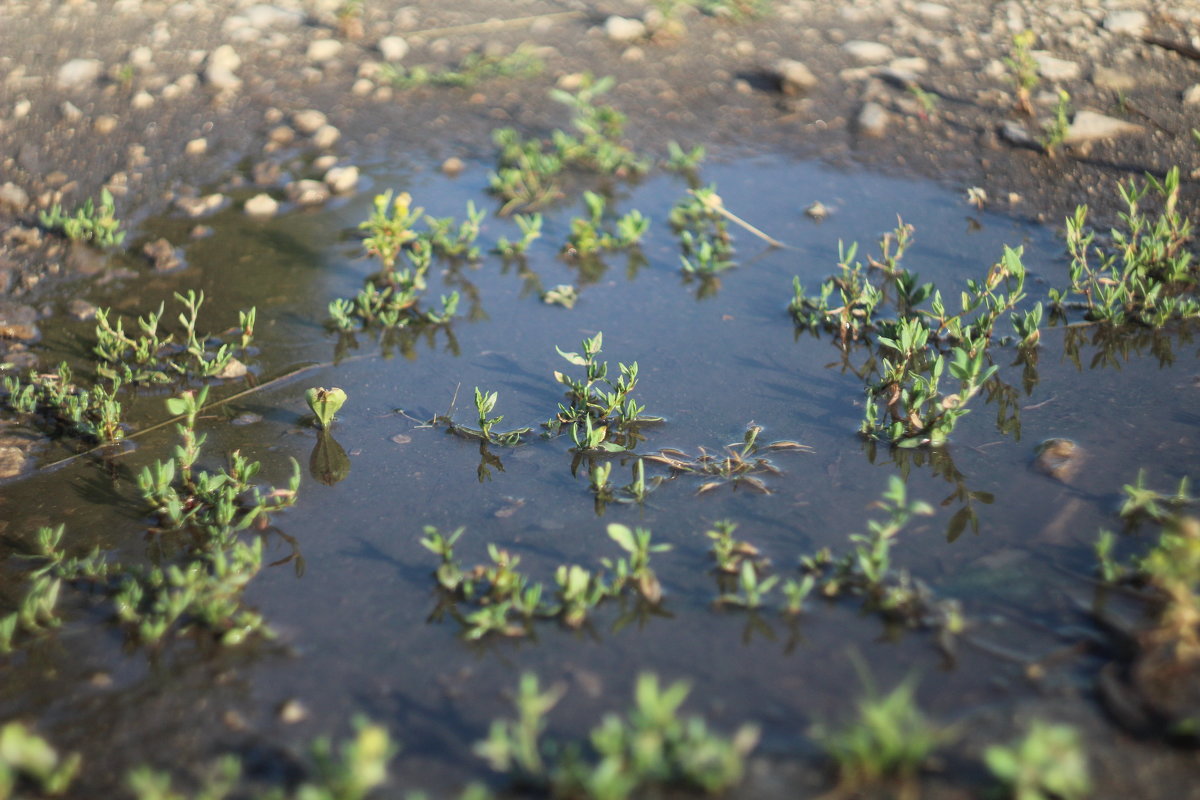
pixel 146 115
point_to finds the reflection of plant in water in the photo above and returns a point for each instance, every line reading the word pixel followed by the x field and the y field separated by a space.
pixel 941 464
pixel 652 748
pixel 328 462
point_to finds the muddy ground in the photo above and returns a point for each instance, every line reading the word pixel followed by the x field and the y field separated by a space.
pixel 159 101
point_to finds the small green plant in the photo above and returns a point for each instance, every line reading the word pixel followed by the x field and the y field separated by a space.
pixel 888 742
pixel 475 68
pixel 325 403
pixel 1049 763
pixel 444 240
pixel 651 748
pixel 218 782
pixel 153 356
pixel 1055 133
pixel 28 759
pixel 589 235
pixel 685 161
pixel 1148 275
pixel 752 590
pixel 707 247
pixel 59 404
pixel 1024 69
pixel 730 553
pixel 530 226
pixel 927 101
pixel 98 225
pixel 485 402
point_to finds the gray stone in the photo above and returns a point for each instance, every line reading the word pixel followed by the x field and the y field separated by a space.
pixel 79 73
pixel 233 369
pixel 623 29
pixel 1114 80
pixel 13 197
pixel 162 255
pixel 872 120
pixel 932 12
pixel 261 205
pixel 325 136
pixel 794 76
pixel 342 180
pixel 1191 96
pixel 1015 134
pixel 307 193
pixel 1089 126
pixel 1132 23
pixel 13 462
pixel 309 120
pixel 1055 69
pixel 323 50
pixel 81 309
pixel 263 16
pixel 393 48
pixel 17 321
pixel 867 52
pixel 199 206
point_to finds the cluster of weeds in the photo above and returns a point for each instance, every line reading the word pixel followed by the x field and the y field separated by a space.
pixel 915 344
pixel 200 590
pixel 58 404
pixel 888 743
pixel 528 171
pixel 739 465
pixel 733 10
pixel 390 299
pixel 602 415
pixel 591 235
pixel 99 226
pixel 502 600
pixel 156 357
pixel 703 233
pixel 650 749
pixel 1147 275
pixel 1049 763
pixel 475 68
pixel 29 761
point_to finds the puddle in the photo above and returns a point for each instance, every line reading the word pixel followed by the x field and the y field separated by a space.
pixel 360 630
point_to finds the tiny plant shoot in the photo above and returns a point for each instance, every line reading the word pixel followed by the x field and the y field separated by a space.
pixel 324 404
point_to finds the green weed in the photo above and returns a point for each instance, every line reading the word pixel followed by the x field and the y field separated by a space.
pixel 739 465
pixel 325 403
pixel 27 760
pixel 1055 133
pixel 1024 69
pixel 475 68
pixel 1049 763
pixel 89 223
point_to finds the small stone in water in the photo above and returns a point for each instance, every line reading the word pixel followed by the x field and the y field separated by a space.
pixel 246 418
pixel 402 438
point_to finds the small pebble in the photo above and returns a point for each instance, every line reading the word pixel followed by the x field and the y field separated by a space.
pixel 196 147
pixel 325 137
pixel 342 180
pixel 309 120
pixel 453 166
pixel 323 50
pixel 261 205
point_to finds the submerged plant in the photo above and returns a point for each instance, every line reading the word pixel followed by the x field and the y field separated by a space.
pixel 739 465
pixel 26 758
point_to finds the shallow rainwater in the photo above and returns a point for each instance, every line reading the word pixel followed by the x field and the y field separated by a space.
pixel 360 630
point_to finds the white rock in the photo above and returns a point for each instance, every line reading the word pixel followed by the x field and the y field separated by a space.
pixel 623 29
pixel 325 137
pixel 261 205
pixel 1191 97
pixel 196 147
pixel 79 72
pixel 225 57
pixel 1055 69
pixel 342 180
pixel 932 12
pixel 307 193
pixel 911 64
pixel 21 109
pixel 393 48
pixel 309 120
pixel 70 111
pixel 141 57
pixel 142 100
pixel 1113 79
pixel 13 196
pixel 1132 23
pixel 1089 126
pixel 233 369
pixel 872 120
pixel 199 206
pixel 867 52
pixel 323 50
pixel 263 16
pixel 220 71
pixel 794 76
